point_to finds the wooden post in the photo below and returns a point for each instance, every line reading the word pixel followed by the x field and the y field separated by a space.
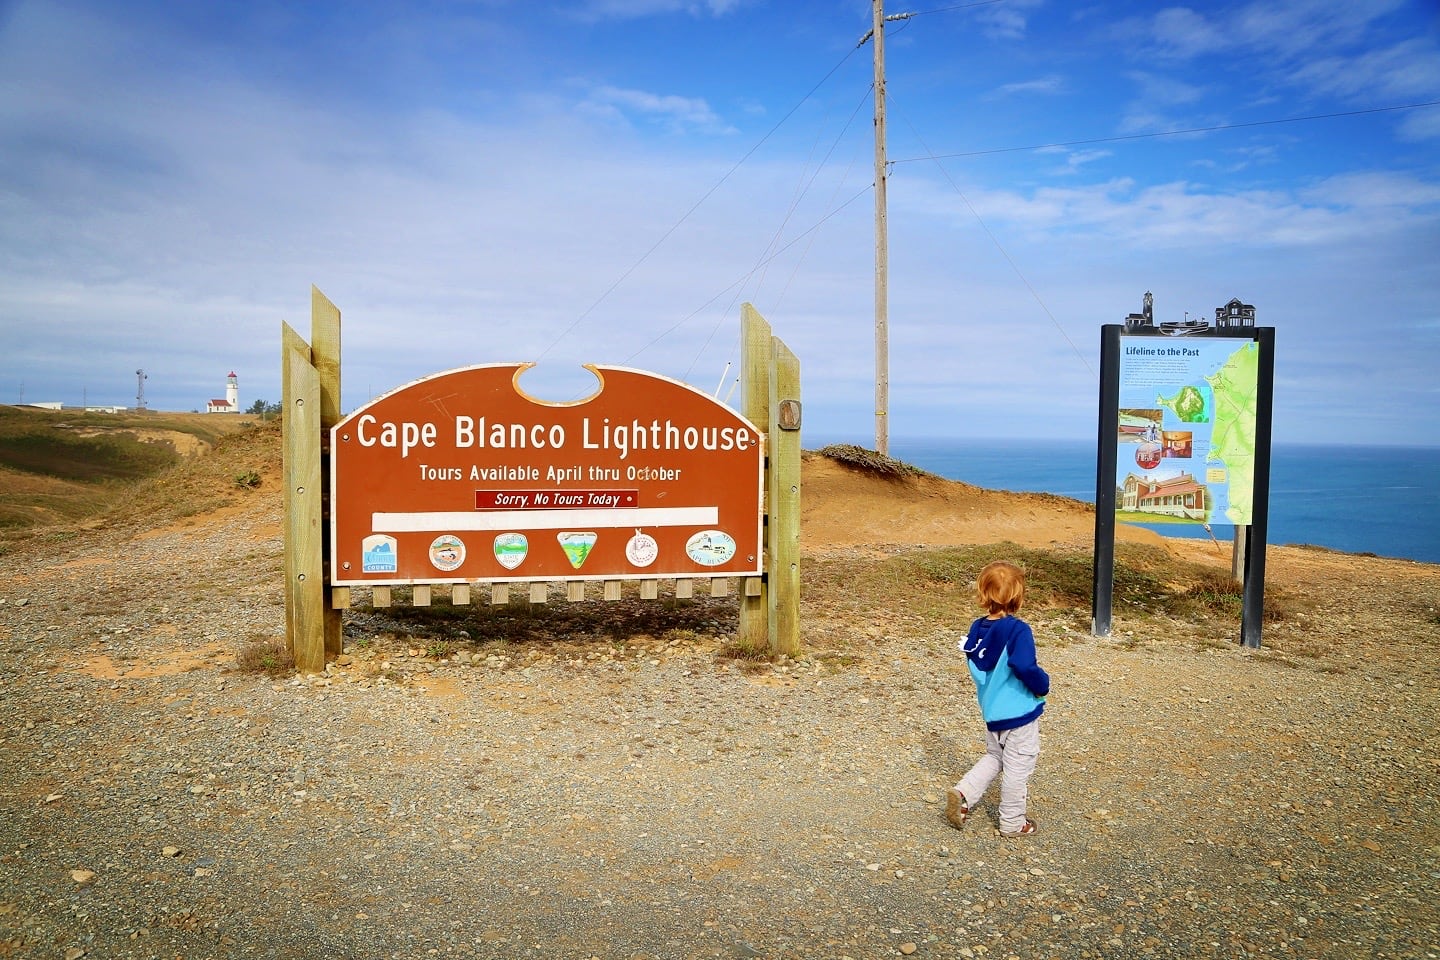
pixel 782 497
pixel 770 373
pixel 304 529
pixel 1237 553
pixel 325 357
pixel 755 336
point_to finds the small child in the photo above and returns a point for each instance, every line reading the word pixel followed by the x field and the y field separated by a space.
pixel 1000 650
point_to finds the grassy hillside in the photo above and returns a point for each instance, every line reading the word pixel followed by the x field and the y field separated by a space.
pixel 63 468
pixel 135 483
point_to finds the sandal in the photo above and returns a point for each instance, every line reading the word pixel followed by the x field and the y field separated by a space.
pixel 957 811
pixel 1025 831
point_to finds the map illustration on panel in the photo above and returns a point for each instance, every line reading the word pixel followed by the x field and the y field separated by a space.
pixel 1187 428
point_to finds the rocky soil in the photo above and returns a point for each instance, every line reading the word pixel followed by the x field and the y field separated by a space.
pixel 641 794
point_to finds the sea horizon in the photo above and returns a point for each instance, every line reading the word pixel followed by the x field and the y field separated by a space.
pixel 1367 499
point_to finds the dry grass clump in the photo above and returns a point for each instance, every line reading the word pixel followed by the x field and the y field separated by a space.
pixel 869 461
pixel 937 585
pixel 749 661
pixel 265 655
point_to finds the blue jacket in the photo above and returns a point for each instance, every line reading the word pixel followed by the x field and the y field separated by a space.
pixel 1008 680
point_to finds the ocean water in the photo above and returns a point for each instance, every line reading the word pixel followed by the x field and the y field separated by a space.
pixel 1381 500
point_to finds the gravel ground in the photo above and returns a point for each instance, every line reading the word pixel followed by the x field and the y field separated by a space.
pixel 652 798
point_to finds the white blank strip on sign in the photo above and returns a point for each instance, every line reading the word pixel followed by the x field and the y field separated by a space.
pixel 543 519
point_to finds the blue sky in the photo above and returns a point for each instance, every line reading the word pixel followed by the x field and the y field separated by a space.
pixel 605 181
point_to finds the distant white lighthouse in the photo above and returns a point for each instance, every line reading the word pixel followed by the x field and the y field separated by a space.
pixel 231 403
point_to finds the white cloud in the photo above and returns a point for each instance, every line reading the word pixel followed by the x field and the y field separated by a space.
pixel 677 114
pixel 636 9
pixel 1297 28
pixel 1420 125
pixel 1403 72
pixel 1006 21
pixel 1156 94
pixel 1378 193
pixel 1040 85
pixel 1181 32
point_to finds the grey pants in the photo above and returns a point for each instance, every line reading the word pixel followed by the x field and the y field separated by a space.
pixel 1011 754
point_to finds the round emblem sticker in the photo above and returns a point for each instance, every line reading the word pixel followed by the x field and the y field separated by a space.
pixel 710 548
pixel 510 549
pixel 641 550
pixel 447 552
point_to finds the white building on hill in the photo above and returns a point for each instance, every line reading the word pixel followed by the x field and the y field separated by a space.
pixel 231 403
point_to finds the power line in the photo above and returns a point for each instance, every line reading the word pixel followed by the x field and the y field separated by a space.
pixel 1005 253
pixel 1170 133
pixel 807 180
pixel 696 206
pixel 740 282
pixel 955 6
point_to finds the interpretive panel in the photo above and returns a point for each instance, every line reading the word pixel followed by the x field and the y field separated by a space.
pixel 1186 429
pixel 462 476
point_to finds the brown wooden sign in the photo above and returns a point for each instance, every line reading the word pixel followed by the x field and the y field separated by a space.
pixel 462 476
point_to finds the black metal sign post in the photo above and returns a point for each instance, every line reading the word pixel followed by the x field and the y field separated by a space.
pixel 1107 451
pixel 1252 603
pixel 1106 446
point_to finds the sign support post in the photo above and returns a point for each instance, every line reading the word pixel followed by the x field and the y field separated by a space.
pixel 771 379
pixel 1252 603
pixel 325 357
pixel 304 524
pixel 1106 445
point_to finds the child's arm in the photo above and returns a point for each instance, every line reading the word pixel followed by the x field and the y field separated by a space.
pixel 1023 661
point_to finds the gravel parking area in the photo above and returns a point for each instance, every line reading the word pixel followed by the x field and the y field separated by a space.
pixel 646 796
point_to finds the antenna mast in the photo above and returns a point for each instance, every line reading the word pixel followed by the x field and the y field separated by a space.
pixel 140 379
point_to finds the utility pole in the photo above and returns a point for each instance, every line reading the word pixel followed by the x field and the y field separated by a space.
pixel 882 241
pixel 882 246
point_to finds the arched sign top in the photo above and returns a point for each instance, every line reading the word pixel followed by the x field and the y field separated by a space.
pixel 598 370
pixel 464 475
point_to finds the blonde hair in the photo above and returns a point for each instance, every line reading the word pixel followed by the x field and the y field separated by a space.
pixel 1001 587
